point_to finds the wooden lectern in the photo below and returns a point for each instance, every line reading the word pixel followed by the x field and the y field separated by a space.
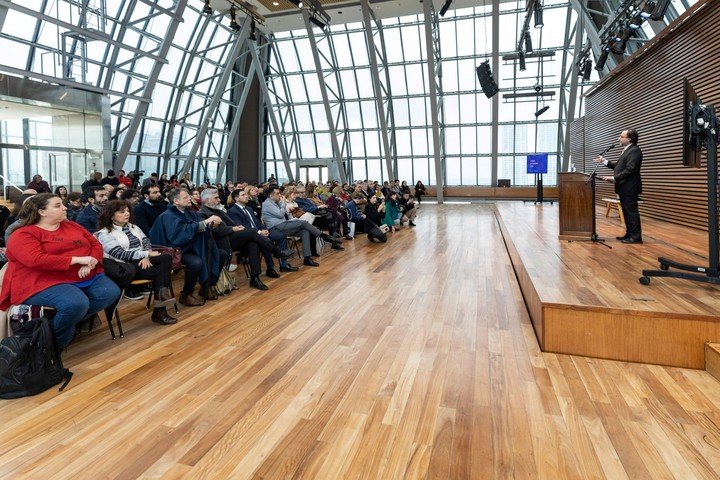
pixel 577 206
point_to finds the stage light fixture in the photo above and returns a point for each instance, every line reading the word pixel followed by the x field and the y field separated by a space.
pixel 538 14
pixel 635 22
pixel 318 23
pixel 297 3
pixel 253 30
pixel 586 70
pixel 445 7
pixel 521 57
pixel 647 10
pixel 537 87
pixel 207 9
pixel 542 110
pixel 528 42
pixel 601 61
pixel 233 22
pixel 660 9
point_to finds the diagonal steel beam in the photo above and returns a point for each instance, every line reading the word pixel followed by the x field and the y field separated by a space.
pixel 429 13
pixel 335 167
pixel 142 107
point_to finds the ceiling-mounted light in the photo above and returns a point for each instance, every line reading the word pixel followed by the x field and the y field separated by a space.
pixel 537 87
pixel 528 42
pixel 253 30
pixel 635 22
pixel 586 70
pixel 647 10
pixel 538 14
pixel 542 110
pixel 297 3
pixel 521 58
pixel 207 9
pixel 445 7
pixel 318 23
pixel 233 22
pixel 601 61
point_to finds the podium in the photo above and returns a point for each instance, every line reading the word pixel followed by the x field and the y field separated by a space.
pixel 577 206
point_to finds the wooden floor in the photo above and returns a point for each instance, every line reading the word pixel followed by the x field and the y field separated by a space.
pixel 410 360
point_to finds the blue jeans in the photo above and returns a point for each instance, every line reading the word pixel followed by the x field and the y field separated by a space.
pixel 72 304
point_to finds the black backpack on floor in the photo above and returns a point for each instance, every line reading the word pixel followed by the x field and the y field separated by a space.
pixel 30 361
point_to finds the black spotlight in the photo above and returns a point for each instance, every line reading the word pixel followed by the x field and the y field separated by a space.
pixel 586 70
pixel 542 110
pixel 233 23
pixel 537 87
pixel 318 23
pixel 647 10
pixel 445 7
pixel 521 57
pixel 635 22
pixel 601 61
pixel 297 3
pixel 253 30
pixel 528 42
pixel 538 14
pixel 207 9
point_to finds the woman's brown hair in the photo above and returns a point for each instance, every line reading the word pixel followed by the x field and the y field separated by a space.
pixel 105 219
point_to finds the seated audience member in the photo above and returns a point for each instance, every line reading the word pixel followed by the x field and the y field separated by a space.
pixel 39 185
pixel 181 227
pixel 149 209
pixel 375 210
pixel 58 264
pixel 92 181
pixel 355 216
pixel 151 180
pixel 127 181
pixel 110 179
pixel 419 191
pixel 294 209
pixel 404 188
pixel 392 211
pixel 96 198
pixel 276 218
pixel 324 218
pixel 61 192
pixel 74 205
pixel 195 200
pixel 15 221
pixel 231 237
pixel 407 208
pixel 125 243
pixel 130 195
pixel 254 200
pixel 241 214
pixel 187 182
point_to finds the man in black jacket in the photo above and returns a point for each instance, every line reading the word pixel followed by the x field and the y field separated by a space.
pixel 231 237
pixel 628 185
pixel 148 210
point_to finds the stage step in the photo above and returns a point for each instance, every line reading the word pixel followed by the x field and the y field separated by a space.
pixel 712 359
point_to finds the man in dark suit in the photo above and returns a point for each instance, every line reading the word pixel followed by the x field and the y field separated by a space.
pixel 628 185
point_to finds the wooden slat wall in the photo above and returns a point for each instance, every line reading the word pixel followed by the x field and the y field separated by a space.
pixel 645 93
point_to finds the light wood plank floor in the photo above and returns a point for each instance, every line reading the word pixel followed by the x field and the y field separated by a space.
pixel 414 359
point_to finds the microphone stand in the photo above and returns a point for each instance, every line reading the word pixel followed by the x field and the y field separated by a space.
pixel 594 236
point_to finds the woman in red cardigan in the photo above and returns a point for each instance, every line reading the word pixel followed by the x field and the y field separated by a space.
pixel 56 263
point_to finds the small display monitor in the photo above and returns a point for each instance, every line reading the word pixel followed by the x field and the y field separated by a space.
pixel 537 163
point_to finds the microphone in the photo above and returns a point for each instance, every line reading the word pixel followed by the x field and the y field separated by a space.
pixel 608 149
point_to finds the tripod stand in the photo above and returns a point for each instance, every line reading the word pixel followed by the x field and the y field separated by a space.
pixel 710 273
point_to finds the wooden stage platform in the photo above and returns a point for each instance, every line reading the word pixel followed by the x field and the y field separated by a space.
pixel 586 299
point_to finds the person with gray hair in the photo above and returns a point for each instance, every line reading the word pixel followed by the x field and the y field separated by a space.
pixel 236 238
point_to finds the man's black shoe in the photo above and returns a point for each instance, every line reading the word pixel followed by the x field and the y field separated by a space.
pixel 337 247
pixel 310 262
pixel 281 254
pixel 288 268
pixel 272 273
pixel 255 282
pixel 624 237
pixel 330 239
pixel 348 237
pixel 633 240
pixel 412 224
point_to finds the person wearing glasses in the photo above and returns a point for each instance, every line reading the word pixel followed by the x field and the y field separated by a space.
pixel 628 185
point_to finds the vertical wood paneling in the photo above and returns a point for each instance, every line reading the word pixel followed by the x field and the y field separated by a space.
pixel 645 93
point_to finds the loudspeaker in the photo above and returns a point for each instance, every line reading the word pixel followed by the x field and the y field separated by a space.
pixel 487 82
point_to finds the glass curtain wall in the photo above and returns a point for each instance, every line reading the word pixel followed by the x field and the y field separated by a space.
pixel 115 58
pixel 465 42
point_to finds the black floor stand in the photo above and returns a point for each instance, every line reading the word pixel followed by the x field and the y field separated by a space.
pixel 539 194
pixel 594 236
pixel 711 273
